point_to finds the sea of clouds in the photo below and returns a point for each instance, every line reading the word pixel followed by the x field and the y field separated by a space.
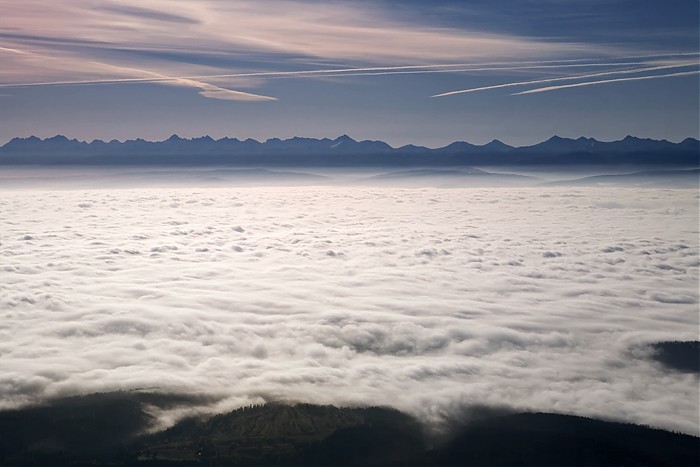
pixel 423 299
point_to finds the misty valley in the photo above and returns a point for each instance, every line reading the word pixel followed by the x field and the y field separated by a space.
pixel 349 233
pixel 112 428
pixel 348 317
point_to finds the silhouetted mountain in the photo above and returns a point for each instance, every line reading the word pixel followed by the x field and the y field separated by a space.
pixel 112 429
pixel 496 146
pixel 559 145
pixel 552 439
pixel 629 150
pixel 344 151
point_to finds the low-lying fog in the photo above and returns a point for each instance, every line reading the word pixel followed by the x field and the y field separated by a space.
pixel 96 177
pixel 425 299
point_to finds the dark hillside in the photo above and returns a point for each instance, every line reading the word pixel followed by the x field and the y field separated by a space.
pixel 110 429
pixel 678 355
pixel 552 439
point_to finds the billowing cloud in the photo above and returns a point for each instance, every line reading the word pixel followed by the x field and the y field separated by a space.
pixel 421 299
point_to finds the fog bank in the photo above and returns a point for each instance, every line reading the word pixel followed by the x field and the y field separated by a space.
pixel 422 299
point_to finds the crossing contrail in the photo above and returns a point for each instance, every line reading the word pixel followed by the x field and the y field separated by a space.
pixel 591 83
pixel 363 71
pixel 566 78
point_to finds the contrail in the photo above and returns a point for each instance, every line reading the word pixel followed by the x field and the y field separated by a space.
pixel 264 74
pixel 302 73
pixel 565 78
pixel 461 70
pixel 378 71
pixel 405 69
pixel 591 83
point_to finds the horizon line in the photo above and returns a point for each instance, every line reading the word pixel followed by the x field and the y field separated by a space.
pixel 223 138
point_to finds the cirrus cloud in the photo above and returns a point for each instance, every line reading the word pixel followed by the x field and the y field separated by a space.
pixel 43 40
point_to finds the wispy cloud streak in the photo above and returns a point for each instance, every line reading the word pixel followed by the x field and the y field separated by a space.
pixel 216 92
pixel 14 51
pixel 335 31
pixel 205 89
pixel 54 43
pixel 606 81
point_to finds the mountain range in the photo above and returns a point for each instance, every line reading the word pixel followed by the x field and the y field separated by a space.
pixel 345 152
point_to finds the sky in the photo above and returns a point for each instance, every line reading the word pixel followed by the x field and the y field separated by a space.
pixel 403 72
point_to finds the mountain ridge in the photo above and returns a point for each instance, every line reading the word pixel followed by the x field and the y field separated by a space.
pixel 343 151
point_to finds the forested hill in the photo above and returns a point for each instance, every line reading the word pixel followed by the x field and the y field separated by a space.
pixel 102 429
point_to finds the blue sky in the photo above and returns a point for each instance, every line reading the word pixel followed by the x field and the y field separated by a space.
pixel 120 69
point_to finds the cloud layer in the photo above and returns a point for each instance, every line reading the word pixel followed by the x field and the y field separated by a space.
pixel 423 299
pixel 240 45
pixel 42 40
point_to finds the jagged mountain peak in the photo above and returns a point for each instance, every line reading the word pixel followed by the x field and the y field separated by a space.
pixel 345 151
pixel 344 139
pixel 497 145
